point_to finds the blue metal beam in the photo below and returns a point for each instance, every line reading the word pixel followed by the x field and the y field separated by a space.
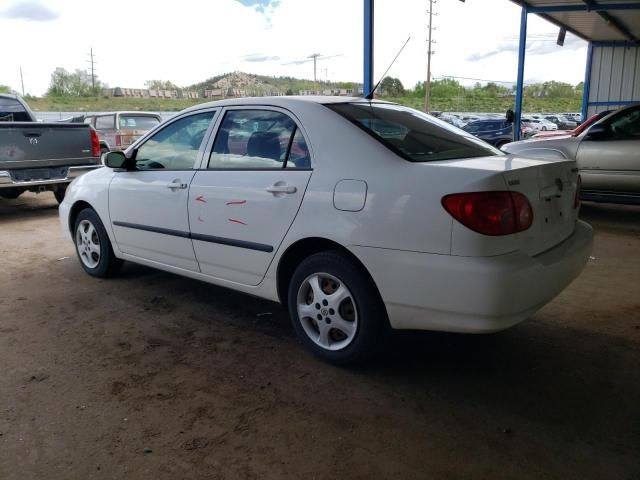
pixel 584 8
pixel 616 43
pixel 522 46
pixel 610 103
pixel 367 86
pixel 587 82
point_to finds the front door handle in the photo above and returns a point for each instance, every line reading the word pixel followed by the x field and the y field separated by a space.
pixel 177 184
pixel 281 189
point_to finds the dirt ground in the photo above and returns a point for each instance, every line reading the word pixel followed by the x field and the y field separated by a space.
pixel 153 376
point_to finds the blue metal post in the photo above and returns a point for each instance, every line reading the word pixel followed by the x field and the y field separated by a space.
pixel 520 82
pixel 367 86
pixel 587 83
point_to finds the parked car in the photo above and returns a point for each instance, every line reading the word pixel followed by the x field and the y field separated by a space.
pixel 607 154
pixel 496 132
pixel 118 130
pixel 561 122
pixel 539 124
pixel 451 119
pixel 357 215
pixel 576 131
pixel 36 156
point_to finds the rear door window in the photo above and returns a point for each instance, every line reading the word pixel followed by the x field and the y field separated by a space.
pixel 413 135
pixel 11 110
pixel 258 139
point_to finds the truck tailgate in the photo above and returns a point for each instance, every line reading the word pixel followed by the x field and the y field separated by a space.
pixel 27 145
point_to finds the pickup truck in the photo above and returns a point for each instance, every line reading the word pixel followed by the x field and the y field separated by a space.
pixel 39 157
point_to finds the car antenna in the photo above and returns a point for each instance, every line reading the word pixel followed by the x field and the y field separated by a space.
pixel 369 96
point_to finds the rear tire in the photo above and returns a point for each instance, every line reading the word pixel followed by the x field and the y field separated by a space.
pixel 59 193
pixel 93 245
pixel 336 310
pixel 10 193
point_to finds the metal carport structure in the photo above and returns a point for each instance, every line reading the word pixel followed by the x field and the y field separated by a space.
pixel 612 28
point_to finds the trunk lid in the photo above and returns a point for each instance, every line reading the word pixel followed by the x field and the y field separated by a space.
pixel 550 187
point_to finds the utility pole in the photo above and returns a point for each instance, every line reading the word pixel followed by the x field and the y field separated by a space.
pixel 22 81
pixel 93 74
pixel 427 84
pixel 315 59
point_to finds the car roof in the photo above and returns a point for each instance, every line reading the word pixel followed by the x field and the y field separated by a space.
pixel 285 101
pixel 122 112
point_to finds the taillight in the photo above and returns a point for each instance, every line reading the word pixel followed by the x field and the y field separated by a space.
pixel 118 140
pixel 490 213
pixel 576 200
pixel 95 143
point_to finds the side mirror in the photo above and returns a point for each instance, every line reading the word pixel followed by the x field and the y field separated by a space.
pixel 599 131
pixel 114 160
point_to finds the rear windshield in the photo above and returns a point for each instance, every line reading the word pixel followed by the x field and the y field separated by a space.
pixel 412 134
pixel 139 122
pixel 12 110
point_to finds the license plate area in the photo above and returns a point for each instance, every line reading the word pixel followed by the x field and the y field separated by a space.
pixel 34 174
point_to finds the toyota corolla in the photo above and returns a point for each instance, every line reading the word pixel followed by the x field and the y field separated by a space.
pixel 360 216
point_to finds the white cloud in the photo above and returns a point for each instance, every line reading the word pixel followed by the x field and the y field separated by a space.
pixel 141 40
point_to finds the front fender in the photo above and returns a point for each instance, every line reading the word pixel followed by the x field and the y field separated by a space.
pixel 91 189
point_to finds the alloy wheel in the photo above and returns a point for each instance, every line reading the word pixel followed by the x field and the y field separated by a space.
pixel 327 311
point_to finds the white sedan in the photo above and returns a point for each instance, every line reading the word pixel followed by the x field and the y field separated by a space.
pixel 359 216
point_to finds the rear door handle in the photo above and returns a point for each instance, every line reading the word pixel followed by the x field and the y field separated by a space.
pixel 177 184
pixel 281 189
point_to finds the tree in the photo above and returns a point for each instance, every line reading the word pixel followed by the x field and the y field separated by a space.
pixel 5 89
pixel 161 85
pixel 391 87
pixel 76 84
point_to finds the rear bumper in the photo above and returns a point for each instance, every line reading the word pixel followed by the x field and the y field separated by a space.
pixel 473 294
pixel 6 181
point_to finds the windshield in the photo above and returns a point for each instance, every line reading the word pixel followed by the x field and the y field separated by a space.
pixel 412 134
pixel 139 122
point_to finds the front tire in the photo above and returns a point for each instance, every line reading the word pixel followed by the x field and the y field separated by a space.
pixel 93 246
pixel 336 310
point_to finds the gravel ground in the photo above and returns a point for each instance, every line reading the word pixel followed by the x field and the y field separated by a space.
pixel 151 375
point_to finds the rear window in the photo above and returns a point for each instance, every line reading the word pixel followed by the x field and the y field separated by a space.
pixel 412 134
pixel 105 122
pixel 139 122
pixel 12 111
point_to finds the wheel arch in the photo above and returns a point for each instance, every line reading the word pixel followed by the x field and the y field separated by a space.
pixel 75 210
pixel 303 248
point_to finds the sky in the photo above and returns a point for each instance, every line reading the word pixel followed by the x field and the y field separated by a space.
pixel 136 41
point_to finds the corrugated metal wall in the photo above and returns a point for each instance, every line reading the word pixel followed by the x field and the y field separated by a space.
pixel 615 77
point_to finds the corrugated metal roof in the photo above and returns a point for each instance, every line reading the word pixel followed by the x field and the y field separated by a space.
pixel 607 25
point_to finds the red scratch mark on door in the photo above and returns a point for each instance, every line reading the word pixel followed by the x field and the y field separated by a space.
pixel 237 202
pixel 237 221
pixel 200 198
